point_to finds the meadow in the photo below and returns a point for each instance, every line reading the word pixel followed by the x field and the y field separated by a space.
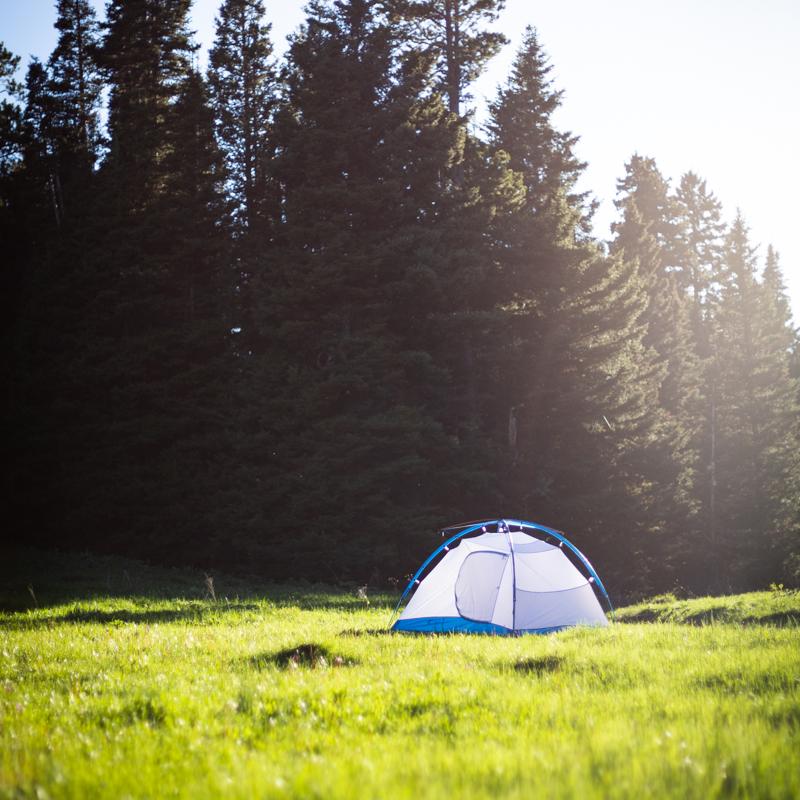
pixel 119 680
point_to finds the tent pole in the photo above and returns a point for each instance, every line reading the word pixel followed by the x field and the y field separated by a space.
pixel 585 561
pixel 504 524
pixel 433 555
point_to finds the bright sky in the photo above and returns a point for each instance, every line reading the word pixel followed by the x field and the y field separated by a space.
pixel 702 86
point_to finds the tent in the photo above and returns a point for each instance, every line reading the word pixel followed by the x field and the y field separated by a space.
pixel 503 577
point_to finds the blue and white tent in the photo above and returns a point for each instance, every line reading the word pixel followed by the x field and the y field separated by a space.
pixel 503 577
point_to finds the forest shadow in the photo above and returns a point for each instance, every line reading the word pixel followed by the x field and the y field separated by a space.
pixel 47 580
pixel 779 619
pixel 144 616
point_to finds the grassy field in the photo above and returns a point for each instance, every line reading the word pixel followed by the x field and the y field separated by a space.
pixel 117 680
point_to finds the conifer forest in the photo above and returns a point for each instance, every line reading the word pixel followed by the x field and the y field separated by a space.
pixel 292 316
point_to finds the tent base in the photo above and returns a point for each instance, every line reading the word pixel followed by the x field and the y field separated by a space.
pixel 462 625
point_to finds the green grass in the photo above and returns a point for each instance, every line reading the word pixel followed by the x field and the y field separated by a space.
pixel 127 681
pixel 777 607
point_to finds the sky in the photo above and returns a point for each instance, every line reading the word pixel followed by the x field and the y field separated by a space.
pixel 708 87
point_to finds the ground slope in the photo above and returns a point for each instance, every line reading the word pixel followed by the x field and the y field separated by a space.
pixel 126 681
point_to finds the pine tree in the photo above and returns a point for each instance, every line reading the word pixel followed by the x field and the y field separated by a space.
pixel 756 415
pixel 61 143
pixel 697 248
pixel 579 380
pixel 780 395
pixel 75 85
pixel 700 231
pixel 14 230
pixel 142 379
pixel 62 120
pixel 453 33
pixel 543 256
pixel 354 436
pixel 476 188
pixel 42 262
pixel 648 235
pixel 10 111
pixel 193 206
pixel 521 124
pixel 146 56
pixel 40 150
pixel 243 83
pixel 183 448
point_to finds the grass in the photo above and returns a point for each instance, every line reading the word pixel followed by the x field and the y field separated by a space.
pixel 776 607
pixel 143 686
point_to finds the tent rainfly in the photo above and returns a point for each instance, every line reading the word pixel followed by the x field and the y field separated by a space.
pixel 511 577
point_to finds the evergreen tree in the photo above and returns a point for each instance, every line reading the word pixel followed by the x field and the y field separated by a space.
pixel 578 378
pixel 700 231
pixel 756 416
pixel 140 363
pixel 648 235
pixel 388 322
pixel 12 234
pixel 44 298
pixel 697 270
pixel 477 190
pixel 452 32
pixel 10 111
pixel 543 257
pixel 780 394
pixel 465 327
pixel 193 206
pixel 146 57
pixel 23 111
pixel 352 385
pixel 181 366
pixel 39 153
pixel 521 124
pixel 61 117
pixel 645 187
pixel 243 82
pixel 75 86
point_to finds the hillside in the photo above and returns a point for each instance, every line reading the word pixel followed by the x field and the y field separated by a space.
pixel 145 686
pixel 779 607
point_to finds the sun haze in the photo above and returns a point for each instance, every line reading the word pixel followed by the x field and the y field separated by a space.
pixel 704 87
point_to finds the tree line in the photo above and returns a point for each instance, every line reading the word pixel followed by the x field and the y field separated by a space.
pixel 295 315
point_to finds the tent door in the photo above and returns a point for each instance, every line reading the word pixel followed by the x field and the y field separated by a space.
pixel 478 584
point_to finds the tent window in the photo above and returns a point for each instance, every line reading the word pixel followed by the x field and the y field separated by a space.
pixel 478 584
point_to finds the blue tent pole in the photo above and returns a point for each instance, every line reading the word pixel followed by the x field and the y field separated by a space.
pixel 433 555
pixel 585 561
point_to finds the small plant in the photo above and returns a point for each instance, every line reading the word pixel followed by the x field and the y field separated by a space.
pixel 663 599
pixel 779 589
pixel 33 595
pixel 209 581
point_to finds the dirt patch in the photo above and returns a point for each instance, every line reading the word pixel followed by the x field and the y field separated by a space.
pixel 307 656
pixel 541 665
